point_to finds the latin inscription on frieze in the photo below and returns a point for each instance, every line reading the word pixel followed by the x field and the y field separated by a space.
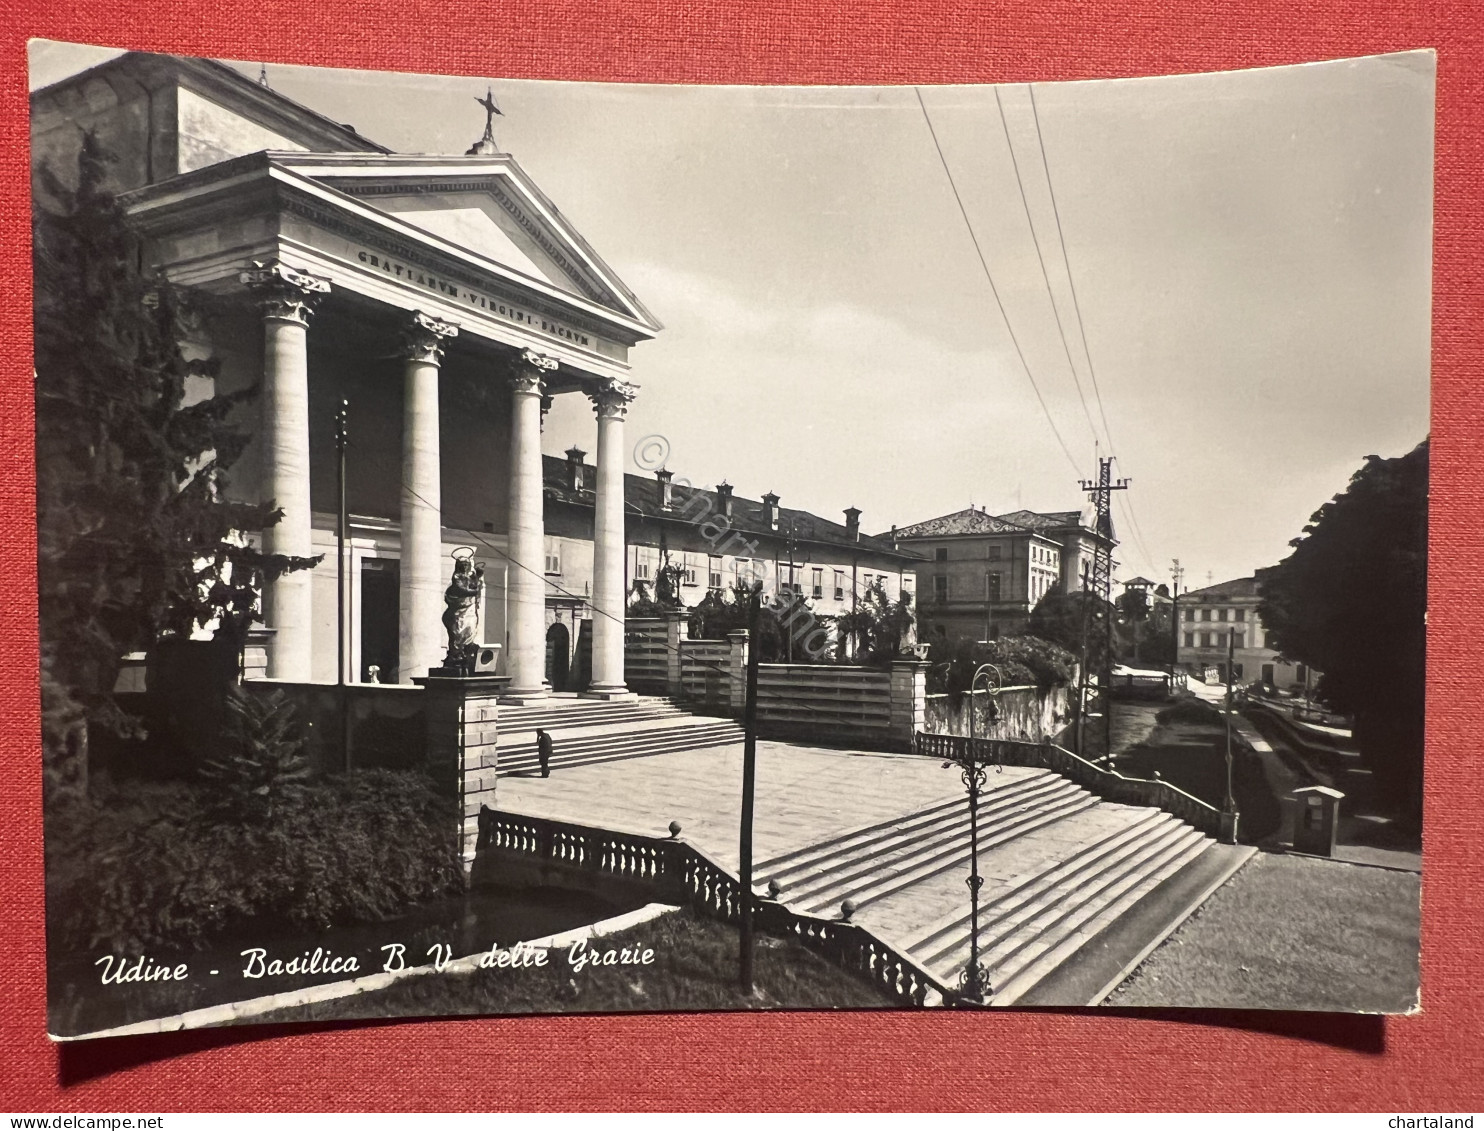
pixel 464 295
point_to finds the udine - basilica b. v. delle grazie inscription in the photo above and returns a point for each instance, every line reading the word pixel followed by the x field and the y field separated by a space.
pixel 257 962
pixel 494 306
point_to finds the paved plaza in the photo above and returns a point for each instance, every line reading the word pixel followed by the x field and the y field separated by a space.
pixel 804 795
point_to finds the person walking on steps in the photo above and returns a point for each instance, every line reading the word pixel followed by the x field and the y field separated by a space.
pixel 543 751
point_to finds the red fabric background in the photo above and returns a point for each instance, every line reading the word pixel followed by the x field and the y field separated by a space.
pixel 1016 1060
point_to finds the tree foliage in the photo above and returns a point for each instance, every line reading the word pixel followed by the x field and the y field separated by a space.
pixel 1069 620
pixel 135 534
pixel 875 630
pixel 1351 602
pixel 1023 661
pixel 721 612
pixel 264 764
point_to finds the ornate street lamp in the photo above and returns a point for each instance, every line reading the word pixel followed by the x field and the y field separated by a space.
pixel 973 766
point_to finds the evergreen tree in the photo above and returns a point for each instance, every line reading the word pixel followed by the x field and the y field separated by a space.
pixel 135 535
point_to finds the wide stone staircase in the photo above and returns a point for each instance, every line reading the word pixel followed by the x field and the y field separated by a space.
pixel 872 863
pixel 585 732
pixel 1033 923
pixel 1063 870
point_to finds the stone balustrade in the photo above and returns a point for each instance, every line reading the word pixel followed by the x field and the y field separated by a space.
pixel 675 871
pixel 1107 784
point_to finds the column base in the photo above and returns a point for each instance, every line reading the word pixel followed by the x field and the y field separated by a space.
pixel 514 698
pixel 610 694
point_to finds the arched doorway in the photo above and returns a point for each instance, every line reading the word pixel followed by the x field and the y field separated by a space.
pixel 558 655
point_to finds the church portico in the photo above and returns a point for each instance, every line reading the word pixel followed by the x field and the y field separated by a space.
pixel 448 302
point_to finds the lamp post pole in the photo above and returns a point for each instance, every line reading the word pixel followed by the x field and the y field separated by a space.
pixel 749 776
pixel 342 439
pixel 975 981
pixel 1231 682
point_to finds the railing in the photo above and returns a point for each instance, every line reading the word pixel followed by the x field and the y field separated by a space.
pixel 681 873
pixel 1107 784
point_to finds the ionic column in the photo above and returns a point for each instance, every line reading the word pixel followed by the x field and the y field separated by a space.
pixel 420 602
pixel 526 570
pixel 611 402
pixel 287 297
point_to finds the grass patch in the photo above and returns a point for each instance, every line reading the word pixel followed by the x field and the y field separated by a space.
pixel 694 969
pixel 1292 932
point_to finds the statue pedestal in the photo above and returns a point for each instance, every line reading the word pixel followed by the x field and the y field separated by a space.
pixel 463 749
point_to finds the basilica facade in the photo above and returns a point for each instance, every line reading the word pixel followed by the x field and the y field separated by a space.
pixel 443 300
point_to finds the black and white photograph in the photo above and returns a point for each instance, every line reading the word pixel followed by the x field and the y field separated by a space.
pixel 529 547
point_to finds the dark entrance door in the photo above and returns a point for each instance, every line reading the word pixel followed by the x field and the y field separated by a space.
pixel 379 628
pixel 558 655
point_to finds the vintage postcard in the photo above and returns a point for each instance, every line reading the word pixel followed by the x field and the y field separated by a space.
pixel 529 547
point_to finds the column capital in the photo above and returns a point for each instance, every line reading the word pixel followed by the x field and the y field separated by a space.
pixel 284 292
pixel 528 375
pixel 422 337
pixel 611 397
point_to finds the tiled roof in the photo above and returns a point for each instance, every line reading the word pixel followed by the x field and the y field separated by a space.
pixel 642 497
pixel 1048 520
pixel 1241 587
pixel 967 521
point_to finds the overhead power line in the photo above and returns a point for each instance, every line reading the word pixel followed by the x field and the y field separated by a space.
pixel 1045 275
pixel 1067 264
pixel 994 290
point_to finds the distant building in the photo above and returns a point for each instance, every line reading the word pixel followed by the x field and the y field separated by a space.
pixel 715 539
pixel 982 574
pixel 1208 615
pixel 1155 593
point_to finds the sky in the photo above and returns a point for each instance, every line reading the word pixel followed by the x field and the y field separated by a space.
pixel 1240 264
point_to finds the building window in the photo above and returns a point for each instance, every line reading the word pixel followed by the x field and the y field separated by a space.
pixel 641 567
pixel 713 572
pixel 554 559
pixel 940 589
pixel 687 573
pixel 1221 614
pixel 940 554
pixel 1241 614
pixel 1205 614
pixel 1237 640
pixel 1190 640
pixel 818 584
pixel 1267 641
pixel 992 586
pixel 839 585
pixel 1190 614
pixel 994 553
pixel 1205 640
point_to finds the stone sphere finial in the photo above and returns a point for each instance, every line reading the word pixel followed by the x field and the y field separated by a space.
pixel 674 828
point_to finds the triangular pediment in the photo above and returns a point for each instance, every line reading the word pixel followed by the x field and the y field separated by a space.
pixel 488 207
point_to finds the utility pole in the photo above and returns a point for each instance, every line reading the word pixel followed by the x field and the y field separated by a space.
pixel 1081 704
pixel 749 776
pixel 1101 493
pixel 1177 573
pixel 342 439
